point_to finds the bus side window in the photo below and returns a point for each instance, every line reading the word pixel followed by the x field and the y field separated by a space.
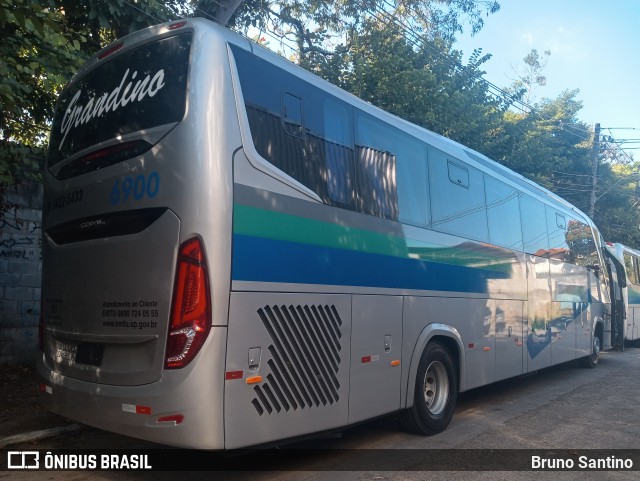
pixel 338 152
pixel 631 266
pixel 413 185
pixel 534 226
pixel 503 214
pixel 557 230
pixel 377 148
pixel 458 204
pixel 581 243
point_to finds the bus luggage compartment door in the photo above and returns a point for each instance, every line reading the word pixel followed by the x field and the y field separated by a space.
pixel 300 383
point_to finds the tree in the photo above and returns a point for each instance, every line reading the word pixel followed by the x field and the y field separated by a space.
pixel 618 208
pixel 37 55
pixel 321 27
pixel 545 144
pixel 44 43
pixel 423 82
pixel 530 76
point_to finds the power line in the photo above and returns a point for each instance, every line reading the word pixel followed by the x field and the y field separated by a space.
pixel 145 12
pixel 493 89
pixel 500 92
pixel 416 36
pixel 571 174
pixel 609 129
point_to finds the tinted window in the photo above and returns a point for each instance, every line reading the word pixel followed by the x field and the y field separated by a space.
pixel 338 135
pixel 581 244
pixel 413 185
pixel 299 128
pixel 630 267
pixel 457 197
pixel 557 231
pixel 136 90
pixel 503 214
pixel 394 165
pixel 534 226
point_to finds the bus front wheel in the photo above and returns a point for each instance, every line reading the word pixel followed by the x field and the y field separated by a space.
pixel 591 361
pixel 435 392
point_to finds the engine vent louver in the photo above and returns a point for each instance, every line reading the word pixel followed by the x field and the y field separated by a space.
pixel 303 359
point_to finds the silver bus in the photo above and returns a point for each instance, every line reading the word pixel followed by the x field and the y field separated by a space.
pixel 630 258
pixel 237 253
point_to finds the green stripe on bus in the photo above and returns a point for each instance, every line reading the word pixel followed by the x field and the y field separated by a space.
pixel 268 224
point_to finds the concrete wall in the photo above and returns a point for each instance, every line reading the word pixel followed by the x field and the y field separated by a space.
pixel 21 276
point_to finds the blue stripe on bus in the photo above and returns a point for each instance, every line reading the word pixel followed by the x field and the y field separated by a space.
pixel 270 260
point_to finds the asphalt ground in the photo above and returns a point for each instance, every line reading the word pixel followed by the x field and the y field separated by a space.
pixel 563 408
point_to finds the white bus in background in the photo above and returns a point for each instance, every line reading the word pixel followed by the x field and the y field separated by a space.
pixel 630 258
pixel 237 252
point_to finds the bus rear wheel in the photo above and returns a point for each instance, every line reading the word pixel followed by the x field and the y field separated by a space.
pixel 435 394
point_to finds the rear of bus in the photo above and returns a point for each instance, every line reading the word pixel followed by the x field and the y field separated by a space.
pixel 137 238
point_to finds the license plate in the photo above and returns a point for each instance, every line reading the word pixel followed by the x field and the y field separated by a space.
pixel 66 352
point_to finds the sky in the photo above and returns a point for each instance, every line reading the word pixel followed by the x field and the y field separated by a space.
pixel 595 47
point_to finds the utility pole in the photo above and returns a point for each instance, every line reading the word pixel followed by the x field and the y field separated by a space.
pixel 594 170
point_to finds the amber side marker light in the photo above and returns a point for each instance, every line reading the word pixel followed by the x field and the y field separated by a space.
pixel 253 379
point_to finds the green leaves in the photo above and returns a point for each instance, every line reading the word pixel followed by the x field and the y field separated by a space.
pixel 44 42
pixel 36 57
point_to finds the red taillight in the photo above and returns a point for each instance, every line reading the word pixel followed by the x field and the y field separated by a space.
pixel 177 25
pixel 110 50
pixel 191 311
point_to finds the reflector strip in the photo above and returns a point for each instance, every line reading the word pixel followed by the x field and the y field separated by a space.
pixel 365 359
pixel 229 375
pixel 486 349
pixel 143 410
pixel 45 388
pixel 254 379
pixel 471 345
pixel 395 363
pixel 135 409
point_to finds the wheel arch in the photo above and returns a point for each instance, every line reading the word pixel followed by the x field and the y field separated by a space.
pixel 592 360
pixel 598 328
pixel 451 339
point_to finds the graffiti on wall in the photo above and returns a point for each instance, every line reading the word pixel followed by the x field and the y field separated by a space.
pixel 25 247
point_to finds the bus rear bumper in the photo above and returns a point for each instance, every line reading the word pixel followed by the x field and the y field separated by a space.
pixel 181 409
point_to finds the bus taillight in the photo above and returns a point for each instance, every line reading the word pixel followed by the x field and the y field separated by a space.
pixel 191 311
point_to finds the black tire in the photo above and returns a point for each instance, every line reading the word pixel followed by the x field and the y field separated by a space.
pixel 591 361
pixel 436 392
